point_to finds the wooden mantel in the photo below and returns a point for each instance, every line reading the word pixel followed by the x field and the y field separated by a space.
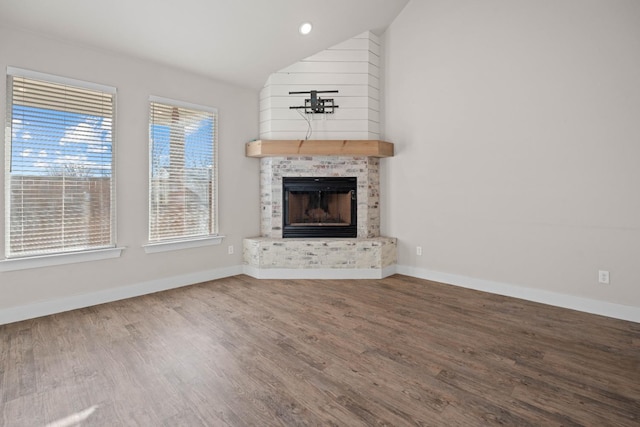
pixel 319 147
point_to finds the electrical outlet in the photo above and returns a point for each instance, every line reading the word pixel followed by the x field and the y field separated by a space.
pixel 230 250
pixel 603 277
pixel 418 250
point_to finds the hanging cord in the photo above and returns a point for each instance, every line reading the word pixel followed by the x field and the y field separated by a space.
pixel 308 120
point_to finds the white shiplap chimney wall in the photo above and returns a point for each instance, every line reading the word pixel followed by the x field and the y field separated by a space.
pixel 352 68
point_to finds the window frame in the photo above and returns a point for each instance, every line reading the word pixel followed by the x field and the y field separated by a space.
pixel 185 242
pixel 19 261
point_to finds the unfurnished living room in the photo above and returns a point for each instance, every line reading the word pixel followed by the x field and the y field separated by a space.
pixel 336 212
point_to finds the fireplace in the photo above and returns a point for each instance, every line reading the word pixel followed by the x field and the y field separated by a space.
pixel 365 254
pixel 319 207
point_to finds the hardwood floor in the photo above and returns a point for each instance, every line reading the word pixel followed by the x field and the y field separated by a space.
pixel 398 351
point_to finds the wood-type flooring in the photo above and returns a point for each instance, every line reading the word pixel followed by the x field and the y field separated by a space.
pixel 392 352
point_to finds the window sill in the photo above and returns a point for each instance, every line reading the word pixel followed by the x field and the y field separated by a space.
pixel 25 263
pixel 175 245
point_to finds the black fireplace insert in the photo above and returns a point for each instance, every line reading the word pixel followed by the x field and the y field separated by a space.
pixel 319 207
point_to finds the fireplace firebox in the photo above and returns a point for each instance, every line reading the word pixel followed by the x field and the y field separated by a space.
pixel 319 207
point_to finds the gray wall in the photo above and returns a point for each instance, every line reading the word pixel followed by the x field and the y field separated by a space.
pixel 517 131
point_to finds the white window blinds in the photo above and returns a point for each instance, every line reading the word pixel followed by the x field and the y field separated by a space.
pixel 58 166
pixel 182 187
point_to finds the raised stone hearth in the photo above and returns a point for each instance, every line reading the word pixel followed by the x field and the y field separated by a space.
pixel 348 258
pixel 367 256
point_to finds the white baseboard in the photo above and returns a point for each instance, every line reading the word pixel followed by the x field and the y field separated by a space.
pixel 602 308
pixel 44 308
pixel 318 273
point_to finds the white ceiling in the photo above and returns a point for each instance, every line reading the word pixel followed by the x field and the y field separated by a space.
pixel 238 41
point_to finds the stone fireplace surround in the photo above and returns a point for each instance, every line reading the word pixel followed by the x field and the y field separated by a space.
pixel 367 256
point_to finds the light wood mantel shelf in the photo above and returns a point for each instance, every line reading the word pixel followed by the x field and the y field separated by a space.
pixel 318 147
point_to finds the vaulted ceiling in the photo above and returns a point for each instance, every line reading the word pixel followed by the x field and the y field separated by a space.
pixel 238 41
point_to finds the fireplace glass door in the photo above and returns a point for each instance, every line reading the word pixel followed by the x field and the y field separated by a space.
pixel 319 207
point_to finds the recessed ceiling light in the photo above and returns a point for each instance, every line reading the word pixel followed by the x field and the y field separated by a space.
pixel 305 28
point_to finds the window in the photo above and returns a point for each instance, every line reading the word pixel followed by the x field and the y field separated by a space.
pixel 182 187
pixel 59 163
